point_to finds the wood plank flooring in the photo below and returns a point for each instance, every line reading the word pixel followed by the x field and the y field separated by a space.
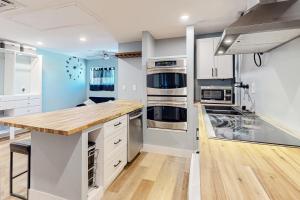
pixel 151 176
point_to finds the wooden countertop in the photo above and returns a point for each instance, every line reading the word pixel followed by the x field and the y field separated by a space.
pixel 240 170
pixel 73 120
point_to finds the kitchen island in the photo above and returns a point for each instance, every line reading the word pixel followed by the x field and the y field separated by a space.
pixel 60 147
pixel 242 170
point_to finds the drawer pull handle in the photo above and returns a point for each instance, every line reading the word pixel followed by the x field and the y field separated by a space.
pixel 117 142
pixel 119 162
pixel 118 124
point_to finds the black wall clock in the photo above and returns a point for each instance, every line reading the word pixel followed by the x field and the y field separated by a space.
pixel 74 68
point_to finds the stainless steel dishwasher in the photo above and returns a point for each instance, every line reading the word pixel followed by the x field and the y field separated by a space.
pixel 135 134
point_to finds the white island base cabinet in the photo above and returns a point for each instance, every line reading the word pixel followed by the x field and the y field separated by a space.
pixel 60 163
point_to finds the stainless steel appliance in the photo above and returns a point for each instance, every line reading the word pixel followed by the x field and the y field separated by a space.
pixel 135 134
pixel 167 76
pixel 266 25
pixel 217 94
pixel 167 112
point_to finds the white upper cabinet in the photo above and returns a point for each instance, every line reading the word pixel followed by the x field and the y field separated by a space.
pixel 210 66
pixel 205 58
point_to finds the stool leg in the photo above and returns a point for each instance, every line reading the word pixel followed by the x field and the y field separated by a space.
pixel 28 173
pixel 11 173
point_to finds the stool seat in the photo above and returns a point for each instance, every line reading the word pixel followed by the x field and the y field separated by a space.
pixel 23 147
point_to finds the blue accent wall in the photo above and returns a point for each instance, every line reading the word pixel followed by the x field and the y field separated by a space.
pixel 59 91
pixel 112 62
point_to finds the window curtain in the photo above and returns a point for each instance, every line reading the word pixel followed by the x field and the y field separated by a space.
pixel 102 79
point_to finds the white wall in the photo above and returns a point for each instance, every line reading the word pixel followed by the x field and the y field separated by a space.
pixel 170 47
pixel 130 74
pixel 277 84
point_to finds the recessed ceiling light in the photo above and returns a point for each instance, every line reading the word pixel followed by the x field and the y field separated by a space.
pixel 82 39
pixel 228 41
pixel 220 52
pixel 40 43
pixel 184 17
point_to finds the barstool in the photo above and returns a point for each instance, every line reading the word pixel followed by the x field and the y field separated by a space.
pixel 21 147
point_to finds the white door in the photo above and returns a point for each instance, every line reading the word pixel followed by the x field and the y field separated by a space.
pixel 205 58
pixel 223 64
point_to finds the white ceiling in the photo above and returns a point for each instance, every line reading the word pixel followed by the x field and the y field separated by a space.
pixel 60 23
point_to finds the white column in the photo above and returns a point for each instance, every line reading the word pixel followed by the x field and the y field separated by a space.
pixel 12 133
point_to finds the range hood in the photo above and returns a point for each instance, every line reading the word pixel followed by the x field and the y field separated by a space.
pixel 264 27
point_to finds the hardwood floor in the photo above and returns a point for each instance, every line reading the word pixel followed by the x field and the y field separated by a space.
pixel 151 176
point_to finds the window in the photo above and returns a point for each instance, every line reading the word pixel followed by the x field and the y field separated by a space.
pixel 102 79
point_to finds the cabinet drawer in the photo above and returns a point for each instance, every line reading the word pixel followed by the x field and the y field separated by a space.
pixel 19 104
pixel 9 105
pixel 25 111
pixel 111 144
pixel 1 105
pixel 114 125
pixel 35 109
pixel 35 102
pixel 20 111
pixel 115 165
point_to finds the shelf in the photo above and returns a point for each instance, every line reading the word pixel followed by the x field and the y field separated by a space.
pixel 19 53
pixel 134 54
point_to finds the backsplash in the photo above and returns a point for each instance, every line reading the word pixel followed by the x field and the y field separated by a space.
pixel 276 85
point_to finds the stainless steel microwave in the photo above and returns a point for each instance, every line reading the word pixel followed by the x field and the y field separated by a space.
pixel 167 77
pixel 217 94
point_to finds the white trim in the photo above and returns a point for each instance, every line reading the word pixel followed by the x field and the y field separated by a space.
pixel 167 150
pixel 194 178
pixel 37 195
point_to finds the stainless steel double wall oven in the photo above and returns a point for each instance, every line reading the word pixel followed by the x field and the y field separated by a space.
pixel 167 93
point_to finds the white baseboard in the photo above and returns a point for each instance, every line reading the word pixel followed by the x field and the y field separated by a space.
pixel 167 150
pixel 38 195
pixel 94 194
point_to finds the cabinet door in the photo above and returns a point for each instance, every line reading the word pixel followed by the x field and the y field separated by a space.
pixel 205 58
pixel 223 64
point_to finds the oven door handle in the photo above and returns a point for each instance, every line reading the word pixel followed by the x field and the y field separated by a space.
pixel 168 103
pixel 181 70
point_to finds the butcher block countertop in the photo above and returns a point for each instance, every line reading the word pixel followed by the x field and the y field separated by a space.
pixel 74 120
pixel 239 170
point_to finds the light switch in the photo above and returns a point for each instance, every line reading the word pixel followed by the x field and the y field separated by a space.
pixel 133 87
pixel 252 87
pixel 123 87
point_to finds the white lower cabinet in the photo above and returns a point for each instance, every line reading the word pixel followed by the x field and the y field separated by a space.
pixel 18 105
pixel 111 145
pixel 114 149
pixel 114 165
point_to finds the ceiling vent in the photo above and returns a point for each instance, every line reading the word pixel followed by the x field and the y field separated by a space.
pixel 7 5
